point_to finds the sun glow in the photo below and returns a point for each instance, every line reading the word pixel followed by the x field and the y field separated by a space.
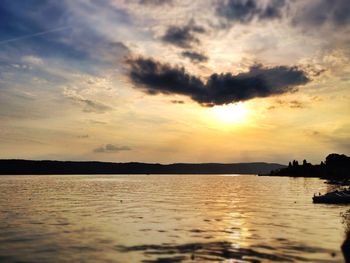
pixel 232 113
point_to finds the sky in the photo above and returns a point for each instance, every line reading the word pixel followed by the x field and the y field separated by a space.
pixel 167 81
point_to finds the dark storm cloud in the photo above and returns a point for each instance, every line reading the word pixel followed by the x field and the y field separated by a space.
pixel 194 56
pixel 244 11
pixel 155 2
pixel 110 148
pixel 184 37
pixel 154 78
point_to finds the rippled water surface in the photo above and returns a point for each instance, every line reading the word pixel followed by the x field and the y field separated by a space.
pixel 166 218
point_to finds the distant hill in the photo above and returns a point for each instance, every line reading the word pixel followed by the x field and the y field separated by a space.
pixel 66 167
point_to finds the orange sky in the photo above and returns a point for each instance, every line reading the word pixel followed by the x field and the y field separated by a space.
pixel 175 81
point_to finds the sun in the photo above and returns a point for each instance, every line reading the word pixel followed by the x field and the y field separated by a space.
pixel 231 114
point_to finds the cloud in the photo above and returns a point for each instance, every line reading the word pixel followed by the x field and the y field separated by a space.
pixel 306 15
pixel 293 104
pixel 177 102
pixel 89 105
pixel 320 12
pixel 33 60
pixel 83 136
pixel 154 77
pixel 120 46
pixel 184 37
pixel 94 106
pixel 80 34
pixel 111 148
pixel 245 11
pixel 155 2
pixel 113 50
pixel 194 56
pixel 38 28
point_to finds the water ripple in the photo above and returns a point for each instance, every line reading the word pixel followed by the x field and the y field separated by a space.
pixel 198 218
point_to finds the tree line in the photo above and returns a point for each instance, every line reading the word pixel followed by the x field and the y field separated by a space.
pixel 335 166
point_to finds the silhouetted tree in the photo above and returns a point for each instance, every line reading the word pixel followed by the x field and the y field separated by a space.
pixel 338 165
pixel 335 167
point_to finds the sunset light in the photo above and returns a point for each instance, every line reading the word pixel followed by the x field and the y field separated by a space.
pixel 181 131
pixel 232 113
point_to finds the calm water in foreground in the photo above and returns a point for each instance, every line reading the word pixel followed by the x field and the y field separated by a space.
pixel 169 218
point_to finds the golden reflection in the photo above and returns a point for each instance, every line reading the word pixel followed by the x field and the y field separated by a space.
pixel 239 236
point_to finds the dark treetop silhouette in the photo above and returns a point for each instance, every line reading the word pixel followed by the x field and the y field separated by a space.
pixel 335 167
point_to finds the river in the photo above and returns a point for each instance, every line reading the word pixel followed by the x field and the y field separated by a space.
pixel 167 218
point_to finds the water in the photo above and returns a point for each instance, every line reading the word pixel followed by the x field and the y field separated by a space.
pixel 169 218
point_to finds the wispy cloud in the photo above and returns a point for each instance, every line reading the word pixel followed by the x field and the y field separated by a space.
pixel 155 2
pixel 111 148
pixel 34 35
pixel 88 104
